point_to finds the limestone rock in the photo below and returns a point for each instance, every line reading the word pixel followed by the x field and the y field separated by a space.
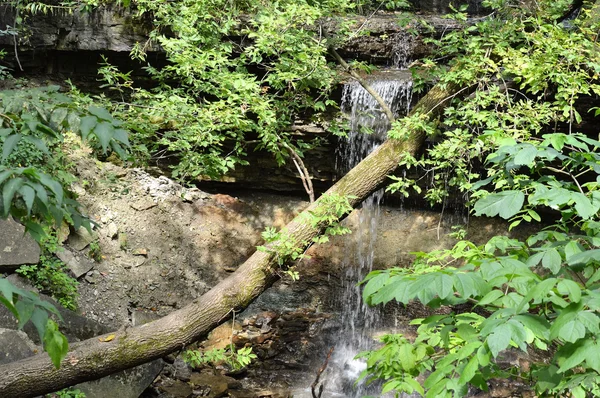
pixel 178 389
pixel 142 317
pixel 104 28
pixel 15 345
pixel 111 230
pixel 213 386
pixel 126 384
pixel 16 247
pixel 81 239
pixel 77 263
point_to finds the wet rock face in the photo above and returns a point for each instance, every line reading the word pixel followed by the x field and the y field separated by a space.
pixel 106 28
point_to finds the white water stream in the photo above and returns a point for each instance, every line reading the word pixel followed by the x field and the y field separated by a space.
pixel 359 322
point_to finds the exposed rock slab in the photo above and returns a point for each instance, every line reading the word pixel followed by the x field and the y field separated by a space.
pixel 126 384
pixel 16 247
pixel 111 28
pixel 106 28
pixel 15 345
pixel 81 239
pixel 77 263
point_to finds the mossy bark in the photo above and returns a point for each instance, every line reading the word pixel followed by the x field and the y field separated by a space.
pixel 94 358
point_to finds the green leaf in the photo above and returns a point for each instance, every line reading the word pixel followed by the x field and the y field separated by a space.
pixel 499 339
pixel 464 284
pixel 40 320
pixel 584 206
pixel 526 155
pixel 571 249
pixel 584 257
pixel 406 357
pixel 539 292
pixel 28 195
pixel 443 285
pixel 572 331
pixel 415 385
pixel 375 284
pixel 592 356
pixel 570 288
pixel 25 309
pixel 9 145
pixel 59 115
pixel 8 193
pixel 86 124
pixel 538 325
pixel 104 132
pixel 7 289
pixel 505 204
pixel 54 186
pixel 552 260
pixel 100 113
pixel 5 174
pixel 469 370
pixel 122 136
pixel 490 297
pixel 55 343
pixel 575 354
pixel 590 321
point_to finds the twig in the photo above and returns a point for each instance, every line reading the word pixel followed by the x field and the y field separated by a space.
pixel 321 370
pixel 384 107
pixel 303 171
pixel 15 37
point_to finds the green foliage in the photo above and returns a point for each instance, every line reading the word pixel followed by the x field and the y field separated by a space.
pixel 33 167
pixel 237 359
pixel 94 252
pixel 50 275
pixel 238 75
pixel 27 306
pixel 523 75
pixel 329 210
pixel 34 179
pixel 68 393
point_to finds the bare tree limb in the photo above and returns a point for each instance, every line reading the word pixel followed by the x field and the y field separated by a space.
pixel 321 370
pixel 302 171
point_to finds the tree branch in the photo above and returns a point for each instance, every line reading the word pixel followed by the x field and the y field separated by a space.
pixel 302 171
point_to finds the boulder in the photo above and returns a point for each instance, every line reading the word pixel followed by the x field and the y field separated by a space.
pixel 81 239
pixel 77 263
pixel 15 345
pixel 16 247
pixel 129 383
pixel 212 385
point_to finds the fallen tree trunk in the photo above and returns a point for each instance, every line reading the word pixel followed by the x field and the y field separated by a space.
pixel 99 357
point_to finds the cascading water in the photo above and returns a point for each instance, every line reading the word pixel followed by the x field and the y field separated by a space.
pixel 359 322
pixel 404 45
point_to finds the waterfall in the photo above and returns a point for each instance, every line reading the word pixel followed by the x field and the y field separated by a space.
pixel 368 123
pixel 359 322
pixel 403 48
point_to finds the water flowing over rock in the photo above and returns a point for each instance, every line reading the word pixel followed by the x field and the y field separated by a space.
pixel 358 321
pixel 368 123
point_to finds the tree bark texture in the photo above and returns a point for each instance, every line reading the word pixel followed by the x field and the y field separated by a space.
pixel 96 358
